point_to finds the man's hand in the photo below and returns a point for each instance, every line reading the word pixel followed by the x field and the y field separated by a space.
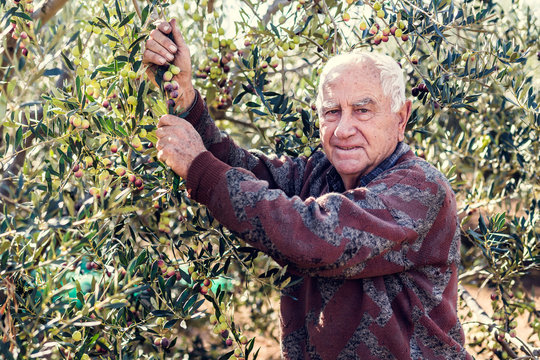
pixel 178 143
pixel 160 50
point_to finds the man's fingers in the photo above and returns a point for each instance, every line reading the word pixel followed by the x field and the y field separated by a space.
pixel 153 57
pixel 168 120
pixel 162 156
pixel 165 155
pixel 160 132
pixel 164 41
pixel 164 26
pixel 164 133
pixel 159 146
pixel 164 147
pixel 160 141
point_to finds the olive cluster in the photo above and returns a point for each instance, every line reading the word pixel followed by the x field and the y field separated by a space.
pixel 419 91
pixel 22 30
pixel 216 68
pixel 169 85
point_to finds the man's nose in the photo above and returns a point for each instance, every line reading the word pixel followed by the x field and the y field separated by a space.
pixel 346 127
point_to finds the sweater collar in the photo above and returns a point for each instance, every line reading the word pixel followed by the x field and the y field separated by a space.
pixel 335 184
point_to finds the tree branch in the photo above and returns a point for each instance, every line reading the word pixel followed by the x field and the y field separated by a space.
pixel 48 10
pixel 239 122
pixel 210 6
pixel 485 319
pixel 137 9
pixel 272 9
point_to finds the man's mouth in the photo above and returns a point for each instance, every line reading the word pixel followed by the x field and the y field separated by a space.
pixel 348 147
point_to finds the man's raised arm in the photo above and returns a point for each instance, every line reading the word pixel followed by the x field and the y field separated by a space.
pixel 178 145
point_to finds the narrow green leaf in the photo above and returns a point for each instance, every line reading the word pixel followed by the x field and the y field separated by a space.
pixel 137 289
pixel 8 138
pixel 18 137
pixel 144 13
pixel 169 324
pixel 185 276
pixel 482 225
pixel 126 19
pixel 118 10
pixel 22 16
pixel 112 38
pixel 258 112
pixel 162 313
pixel 117 305
pixel 140 102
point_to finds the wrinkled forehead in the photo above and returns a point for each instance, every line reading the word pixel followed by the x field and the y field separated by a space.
pixel 360 74
pixel 352 78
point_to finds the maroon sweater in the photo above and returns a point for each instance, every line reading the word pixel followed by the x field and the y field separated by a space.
pixel 379 263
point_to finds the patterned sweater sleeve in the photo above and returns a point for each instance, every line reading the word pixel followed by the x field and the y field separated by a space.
pixel 405 218
pixel 276 171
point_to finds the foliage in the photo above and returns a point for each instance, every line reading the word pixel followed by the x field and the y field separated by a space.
pixel 103 254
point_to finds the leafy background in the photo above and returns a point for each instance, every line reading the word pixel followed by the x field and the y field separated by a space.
pixel 102 254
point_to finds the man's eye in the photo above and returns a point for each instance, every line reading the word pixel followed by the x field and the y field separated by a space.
pixel 362 110
pixel 332 112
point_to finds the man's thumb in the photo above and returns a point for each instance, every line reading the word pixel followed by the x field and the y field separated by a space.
pixel 178 38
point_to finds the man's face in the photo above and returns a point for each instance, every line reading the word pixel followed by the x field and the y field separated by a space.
pixel 358 129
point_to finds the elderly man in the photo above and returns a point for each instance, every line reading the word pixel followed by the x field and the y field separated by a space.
pixel 371 228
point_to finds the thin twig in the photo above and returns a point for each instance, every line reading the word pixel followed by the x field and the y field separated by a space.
pixel 137 9
pixel 336 28
pixel 248 3
pixel 239 122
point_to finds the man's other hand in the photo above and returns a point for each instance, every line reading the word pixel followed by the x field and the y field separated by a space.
pixel 178 143
pixel 162 51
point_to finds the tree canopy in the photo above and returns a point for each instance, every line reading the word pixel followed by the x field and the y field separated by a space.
pixel 103 254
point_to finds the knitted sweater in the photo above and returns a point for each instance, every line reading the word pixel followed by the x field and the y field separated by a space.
pixel 379 263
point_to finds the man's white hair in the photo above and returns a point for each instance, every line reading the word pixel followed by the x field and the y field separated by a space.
pixel 391 75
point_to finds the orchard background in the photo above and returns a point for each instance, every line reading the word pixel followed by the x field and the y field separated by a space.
pixel 103 255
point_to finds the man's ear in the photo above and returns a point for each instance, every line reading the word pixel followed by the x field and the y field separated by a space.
pixel 403 115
